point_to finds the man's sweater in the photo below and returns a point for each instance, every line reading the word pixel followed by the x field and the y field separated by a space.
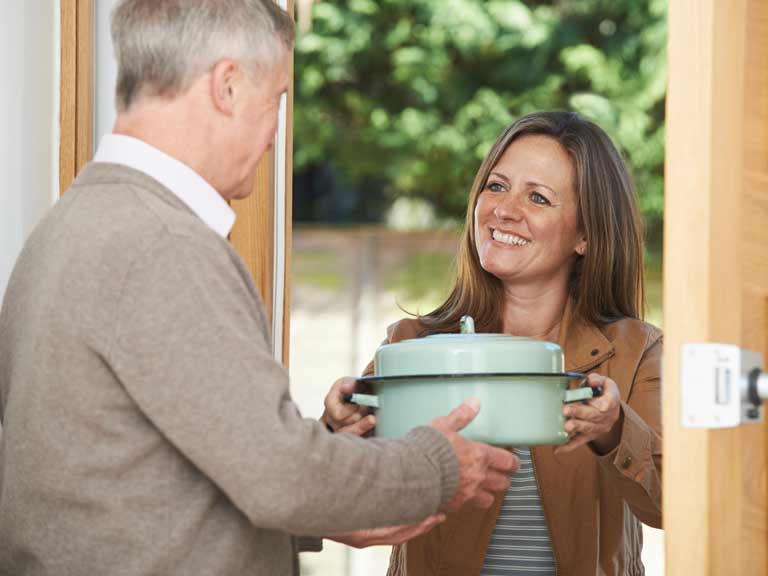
pixel 147 428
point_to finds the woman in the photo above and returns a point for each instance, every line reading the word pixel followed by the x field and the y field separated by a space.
pixel 552 250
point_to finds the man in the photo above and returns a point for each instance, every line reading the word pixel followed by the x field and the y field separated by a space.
pixel 146 427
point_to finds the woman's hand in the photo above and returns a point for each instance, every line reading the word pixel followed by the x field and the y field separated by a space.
pixel 342 416
pixel 387 536
pixel 598 421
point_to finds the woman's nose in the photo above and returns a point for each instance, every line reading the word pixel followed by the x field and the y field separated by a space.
pixel 509 208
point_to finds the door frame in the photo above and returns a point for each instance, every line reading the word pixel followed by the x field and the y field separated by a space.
pixel 76 112
pixel 263 229
pixel 715 276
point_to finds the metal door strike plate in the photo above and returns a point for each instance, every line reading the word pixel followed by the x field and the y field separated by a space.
pixel 722 386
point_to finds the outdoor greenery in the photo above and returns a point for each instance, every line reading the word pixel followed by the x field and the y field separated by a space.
pixel 410 94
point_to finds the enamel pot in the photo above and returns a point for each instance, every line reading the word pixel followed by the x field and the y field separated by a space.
pixel 520 383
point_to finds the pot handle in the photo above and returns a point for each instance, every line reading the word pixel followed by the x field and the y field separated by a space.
pixel 584 393
pixel 362 400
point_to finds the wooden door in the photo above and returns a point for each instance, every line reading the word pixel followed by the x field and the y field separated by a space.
pixel 716 276
pixel 260 219
pixel 263 229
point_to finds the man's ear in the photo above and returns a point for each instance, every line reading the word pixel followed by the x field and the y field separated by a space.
pixel 224 85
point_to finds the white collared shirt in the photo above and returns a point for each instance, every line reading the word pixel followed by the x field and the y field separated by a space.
pixel 179 178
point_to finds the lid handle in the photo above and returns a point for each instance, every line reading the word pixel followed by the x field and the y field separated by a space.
pixel 467 325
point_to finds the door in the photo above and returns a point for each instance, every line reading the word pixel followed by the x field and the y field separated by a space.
pixel 716 275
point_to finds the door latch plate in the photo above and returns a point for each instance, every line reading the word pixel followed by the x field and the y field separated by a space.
pixel 715 381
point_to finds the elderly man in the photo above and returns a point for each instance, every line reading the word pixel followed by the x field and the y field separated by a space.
pixel 147 428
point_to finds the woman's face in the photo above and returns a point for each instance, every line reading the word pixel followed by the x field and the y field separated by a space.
pixel 526 217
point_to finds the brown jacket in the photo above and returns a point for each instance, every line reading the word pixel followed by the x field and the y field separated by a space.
pixel 592 503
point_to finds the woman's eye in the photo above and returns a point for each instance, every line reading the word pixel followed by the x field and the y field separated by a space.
pixel 537 198
pixel 495 187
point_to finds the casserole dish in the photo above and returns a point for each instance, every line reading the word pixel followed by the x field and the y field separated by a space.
pixel 520 383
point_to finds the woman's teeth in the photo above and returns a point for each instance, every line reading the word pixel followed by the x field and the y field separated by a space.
pixel 510 238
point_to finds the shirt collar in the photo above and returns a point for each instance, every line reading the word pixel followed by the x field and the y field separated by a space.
pixel 188 185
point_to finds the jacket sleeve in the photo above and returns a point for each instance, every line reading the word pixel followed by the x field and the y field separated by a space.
pixel 190 348
pixel 401 330
pixel 369 369
pixel 635 464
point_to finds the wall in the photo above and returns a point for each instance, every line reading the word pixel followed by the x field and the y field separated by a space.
pixel 29 59
pixel 105 70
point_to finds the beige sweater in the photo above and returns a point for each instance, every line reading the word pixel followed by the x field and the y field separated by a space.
pixel 147 428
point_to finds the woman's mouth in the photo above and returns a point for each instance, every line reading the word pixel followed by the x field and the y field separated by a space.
pixel 510 239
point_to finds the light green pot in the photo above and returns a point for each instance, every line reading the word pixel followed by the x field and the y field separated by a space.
pixel 519 381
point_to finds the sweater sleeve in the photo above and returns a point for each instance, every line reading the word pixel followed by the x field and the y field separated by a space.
pixel 190 348
pixel 635 464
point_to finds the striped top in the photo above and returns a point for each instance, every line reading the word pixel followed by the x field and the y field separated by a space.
pixel 520 542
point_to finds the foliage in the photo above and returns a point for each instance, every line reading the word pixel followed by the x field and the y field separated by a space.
pixel 414 92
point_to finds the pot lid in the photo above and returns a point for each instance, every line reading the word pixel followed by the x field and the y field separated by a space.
pixel 468 353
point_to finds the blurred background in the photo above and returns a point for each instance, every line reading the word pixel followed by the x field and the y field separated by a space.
pixel 396 103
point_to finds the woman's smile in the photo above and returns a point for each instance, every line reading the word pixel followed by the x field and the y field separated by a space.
pixel 509 239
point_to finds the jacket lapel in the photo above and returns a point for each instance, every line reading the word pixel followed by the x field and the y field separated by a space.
pixel 584 345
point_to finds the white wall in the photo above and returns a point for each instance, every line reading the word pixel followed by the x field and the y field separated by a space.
pixel 105 70
pixel 29 60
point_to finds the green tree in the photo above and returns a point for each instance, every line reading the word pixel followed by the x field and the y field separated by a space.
pixel 414 92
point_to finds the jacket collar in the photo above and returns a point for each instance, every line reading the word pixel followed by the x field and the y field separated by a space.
pixel 584 345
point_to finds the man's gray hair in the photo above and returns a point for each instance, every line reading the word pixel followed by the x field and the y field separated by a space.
pixel 161 46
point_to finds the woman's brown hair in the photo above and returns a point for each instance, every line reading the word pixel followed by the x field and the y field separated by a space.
pixel 607 282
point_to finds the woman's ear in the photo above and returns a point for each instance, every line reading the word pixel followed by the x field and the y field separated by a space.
pixel 224 86
pixel 581 246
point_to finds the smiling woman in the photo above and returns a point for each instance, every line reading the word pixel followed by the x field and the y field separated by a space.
pixel 556 186
pixel 552 250
pixel 527 218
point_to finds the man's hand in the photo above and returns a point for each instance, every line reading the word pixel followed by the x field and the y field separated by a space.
pixel 342 416
pixel 387 536
pixel 483 470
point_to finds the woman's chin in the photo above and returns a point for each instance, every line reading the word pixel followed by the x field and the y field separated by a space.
pixel 503 272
